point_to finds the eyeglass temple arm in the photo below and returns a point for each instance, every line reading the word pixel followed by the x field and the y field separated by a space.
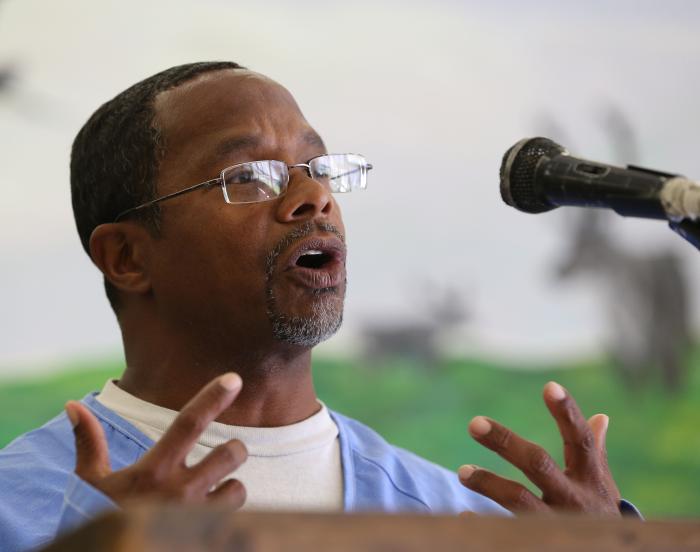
pixel 212 182
pixel 169 196
pixel 367 167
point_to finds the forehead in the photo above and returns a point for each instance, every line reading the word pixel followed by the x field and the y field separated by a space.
pixel 201 116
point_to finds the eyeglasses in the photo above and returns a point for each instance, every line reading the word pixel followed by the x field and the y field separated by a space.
pixel 257 181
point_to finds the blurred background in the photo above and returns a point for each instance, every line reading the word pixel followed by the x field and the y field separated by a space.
pixel 457 304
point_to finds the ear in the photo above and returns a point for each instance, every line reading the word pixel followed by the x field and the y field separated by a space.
pixel 121 250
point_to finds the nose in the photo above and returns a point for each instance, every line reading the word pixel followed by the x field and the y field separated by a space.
pixel 305 199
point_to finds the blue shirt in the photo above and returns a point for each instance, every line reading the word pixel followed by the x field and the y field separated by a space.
pixel 40 496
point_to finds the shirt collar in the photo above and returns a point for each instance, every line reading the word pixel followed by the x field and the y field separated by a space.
pixel 314 432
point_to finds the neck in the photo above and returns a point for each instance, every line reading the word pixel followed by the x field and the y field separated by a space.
pixel 277 383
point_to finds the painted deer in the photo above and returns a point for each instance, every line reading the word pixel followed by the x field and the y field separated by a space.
pixel 645 295
pixel 420 338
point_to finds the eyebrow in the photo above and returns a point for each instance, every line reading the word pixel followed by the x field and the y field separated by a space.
pixel 313 139
pixel 237 144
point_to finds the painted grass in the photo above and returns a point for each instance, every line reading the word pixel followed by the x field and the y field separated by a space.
pixel 653 441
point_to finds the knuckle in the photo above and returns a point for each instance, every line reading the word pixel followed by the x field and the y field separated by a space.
pixel 147 476
pixel 501 438
pixel 139 481
pixel 541 463
pixel 142 480
pixel 192 491
pixel 236 487
pixel 569 412
pixel 241 492
pixel 601 490
pixel 600 486
pixel 232 453
pixel 229 453
pixel 211 394
pixel 82 441
pixel 587 443
pixel 236 491
pixel 476 481
pixel 522 499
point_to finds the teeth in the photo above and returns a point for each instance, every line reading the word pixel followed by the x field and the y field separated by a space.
pixel 313 252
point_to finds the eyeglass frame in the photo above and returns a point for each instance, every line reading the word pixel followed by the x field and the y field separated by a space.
pixel 220 180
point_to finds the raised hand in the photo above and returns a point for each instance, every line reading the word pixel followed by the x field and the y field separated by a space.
pixel 585 485
pixel 161 473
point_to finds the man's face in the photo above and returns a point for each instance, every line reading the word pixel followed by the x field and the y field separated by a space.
pixel 232 274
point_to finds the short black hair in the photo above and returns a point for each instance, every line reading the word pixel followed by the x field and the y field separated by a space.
pixel 116 155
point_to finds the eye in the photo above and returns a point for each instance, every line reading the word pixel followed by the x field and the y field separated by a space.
pixel 242 177
pixel 322 170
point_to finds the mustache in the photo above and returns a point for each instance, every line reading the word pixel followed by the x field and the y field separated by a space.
pixel 298 233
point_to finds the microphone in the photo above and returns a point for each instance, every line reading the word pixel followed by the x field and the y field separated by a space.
pixel 538 175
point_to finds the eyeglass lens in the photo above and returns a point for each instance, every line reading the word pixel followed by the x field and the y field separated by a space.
pixel 254 181
pixel 264 180
pixel 341 172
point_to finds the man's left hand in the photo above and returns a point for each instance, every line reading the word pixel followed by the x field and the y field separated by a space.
pixel 585 485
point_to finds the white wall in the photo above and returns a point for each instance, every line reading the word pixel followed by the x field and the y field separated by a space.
pixel 431 92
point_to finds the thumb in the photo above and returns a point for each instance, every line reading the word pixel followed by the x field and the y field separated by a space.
pixel 92 453
pixel 599 428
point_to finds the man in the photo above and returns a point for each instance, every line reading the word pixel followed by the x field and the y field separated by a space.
pixel 222 286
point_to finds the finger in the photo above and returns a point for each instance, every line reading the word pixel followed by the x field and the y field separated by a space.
pixel 91 451
pixel 531 459
pixel 599 429
pixel 194 418
pixel 219 463
pixel 231 491
pixel 599 426
pixel 511 495
pixel 579 444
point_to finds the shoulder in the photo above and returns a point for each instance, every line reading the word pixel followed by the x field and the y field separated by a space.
pixel 35 470
pixel 48 449
pixel 394 479
pixel 52 446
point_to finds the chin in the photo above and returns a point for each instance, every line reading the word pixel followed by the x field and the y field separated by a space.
pixel 316 321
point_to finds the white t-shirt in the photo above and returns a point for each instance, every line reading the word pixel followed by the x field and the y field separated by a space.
pixel 294 467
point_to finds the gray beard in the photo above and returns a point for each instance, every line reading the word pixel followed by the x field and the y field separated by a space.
pixel 324 320
pixel 327 313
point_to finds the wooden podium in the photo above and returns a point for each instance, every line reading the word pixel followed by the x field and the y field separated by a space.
pixel 186 529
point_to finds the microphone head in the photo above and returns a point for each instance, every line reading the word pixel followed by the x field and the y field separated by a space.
pixel 518 174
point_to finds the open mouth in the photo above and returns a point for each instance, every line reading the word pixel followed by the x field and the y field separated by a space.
pixel 314 258
pixel 318 263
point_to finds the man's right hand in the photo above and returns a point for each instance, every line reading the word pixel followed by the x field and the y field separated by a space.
pixel 162 474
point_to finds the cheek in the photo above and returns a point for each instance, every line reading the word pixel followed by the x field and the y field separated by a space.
pixel 215 260
pixel 238 258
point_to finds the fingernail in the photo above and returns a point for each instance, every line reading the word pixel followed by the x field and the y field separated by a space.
pixel 72 415
pixel 555 391
pixel 466 471
pixel 230 381
pixel 606 422
pixel 479 426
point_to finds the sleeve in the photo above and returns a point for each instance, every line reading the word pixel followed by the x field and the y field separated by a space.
pixel 81 503
pixel 627 509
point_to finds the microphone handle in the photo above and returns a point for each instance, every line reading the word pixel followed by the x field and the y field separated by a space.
pixel 631 191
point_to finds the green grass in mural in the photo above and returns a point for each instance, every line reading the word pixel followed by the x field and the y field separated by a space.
pixel 653 441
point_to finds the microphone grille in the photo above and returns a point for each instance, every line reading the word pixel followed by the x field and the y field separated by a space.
pixel 518 174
